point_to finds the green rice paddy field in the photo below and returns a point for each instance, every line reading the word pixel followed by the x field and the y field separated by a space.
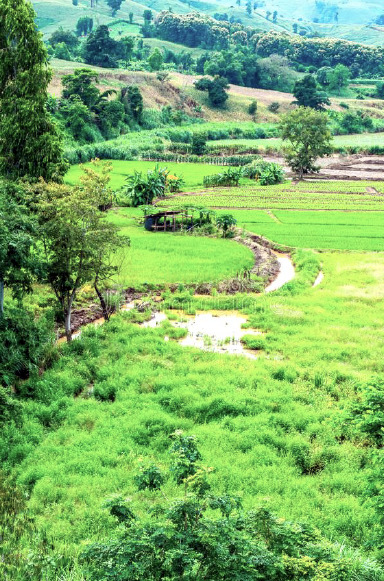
pixel 340 215
pixel 167 258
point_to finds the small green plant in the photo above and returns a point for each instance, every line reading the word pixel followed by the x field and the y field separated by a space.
pixel 226 223
pixel 252 108
pixel 174 183
pixel 149 478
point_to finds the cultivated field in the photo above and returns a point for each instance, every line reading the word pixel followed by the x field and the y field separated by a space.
pixel 168 259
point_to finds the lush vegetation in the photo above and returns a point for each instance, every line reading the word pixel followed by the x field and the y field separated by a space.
pixel 126 455
pixel 284 424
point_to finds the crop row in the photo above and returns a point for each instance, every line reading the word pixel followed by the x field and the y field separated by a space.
pixel 310 201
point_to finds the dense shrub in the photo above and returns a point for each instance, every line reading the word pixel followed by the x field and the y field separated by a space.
pixel 25 344
pixel 267 173
pixel 228 177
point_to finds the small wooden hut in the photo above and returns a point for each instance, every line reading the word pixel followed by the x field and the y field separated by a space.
pixel 163 221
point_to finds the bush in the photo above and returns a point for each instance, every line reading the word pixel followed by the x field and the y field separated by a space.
pixel 252 108
pixel 199 144
pixel 274 107
pixel 368 413
pixel 267 173
pixel 24 344
pixel 105 391
pixel 229 177
pixel 142 190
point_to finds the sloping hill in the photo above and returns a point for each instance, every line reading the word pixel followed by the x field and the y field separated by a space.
pixel 54 13
pixel 180 93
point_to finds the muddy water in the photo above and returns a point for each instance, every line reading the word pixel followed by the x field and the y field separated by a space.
pixel 220 333
pixel 285 274
pixel 216 331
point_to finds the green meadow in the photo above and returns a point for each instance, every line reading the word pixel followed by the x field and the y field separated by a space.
pixel 273 428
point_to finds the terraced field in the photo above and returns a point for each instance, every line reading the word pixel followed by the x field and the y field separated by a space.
pixel 322 215
pixel 305 195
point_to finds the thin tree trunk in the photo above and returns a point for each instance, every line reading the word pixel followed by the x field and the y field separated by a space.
pixel 102 302
pixel 1 297
pixel 68 331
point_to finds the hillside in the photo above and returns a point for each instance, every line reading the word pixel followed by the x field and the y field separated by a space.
pixel 179 93
pixel 339 19
pixel 54 13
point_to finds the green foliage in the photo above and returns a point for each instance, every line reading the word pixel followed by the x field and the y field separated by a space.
pixel 199 144
pixel 25 345
pixel 30 144
pixel 367 414
pixel 100 49
pixel 105 392
pixel 114 5
pixel 339 78
pixel 77 239
pixel 252 108
pixel 149 478
pixel 228 177
pixel 306 94
pixel 266 172
pixel 274 107
pixel 84 26
pixel 80 83
pixel 321 52
pixel 18 262
pixel 143 190
pixel 207 536
pixel 308 138
pixel 132 100
pixel 216 89
pixel 61 36
pixel 155 61
pixel 226 223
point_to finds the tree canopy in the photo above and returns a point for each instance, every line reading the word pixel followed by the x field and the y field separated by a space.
pixel 30 145
pixel 308 137
pixel 308 95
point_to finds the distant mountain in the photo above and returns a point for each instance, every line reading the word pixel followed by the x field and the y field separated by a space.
pixel 328 11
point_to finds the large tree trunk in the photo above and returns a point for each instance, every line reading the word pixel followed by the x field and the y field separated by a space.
pixel 1 297
pixel 102 302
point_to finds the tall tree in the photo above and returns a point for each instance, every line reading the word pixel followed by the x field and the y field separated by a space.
pixel 100 49
pixel 77 240
pixel 155 60
pixel 339 78
pixel 307 94
pixel 29 140
pixel 308 137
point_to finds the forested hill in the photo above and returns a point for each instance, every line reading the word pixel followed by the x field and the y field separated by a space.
pixel 356 20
